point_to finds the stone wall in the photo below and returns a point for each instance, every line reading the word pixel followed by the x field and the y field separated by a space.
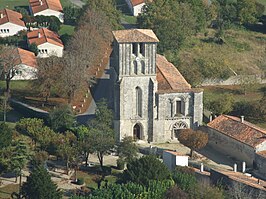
pixel 230 146
pixel 260 161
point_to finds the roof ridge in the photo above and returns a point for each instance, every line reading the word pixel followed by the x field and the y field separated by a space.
pixel 249 124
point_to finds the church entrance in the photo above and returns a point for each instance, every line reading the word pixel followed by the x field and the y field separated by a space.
pixel 176 129
pixel 137 132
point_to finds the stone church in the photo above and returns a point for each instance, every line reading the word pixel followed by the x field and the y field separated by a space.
pixel 152 101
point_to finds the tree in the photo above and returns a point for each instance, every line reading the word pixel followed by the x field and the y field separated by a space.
pixel 246 11
pixel 40 186
pixel 222 105
pixel 101 133
pixel 71 14
pixel 67 148
pixel 195 140
pixel 48 75
pixel 146 168
pixel 5 135
pixel 33 48
pixel 127 149
pixel 9 57
pixel 62 118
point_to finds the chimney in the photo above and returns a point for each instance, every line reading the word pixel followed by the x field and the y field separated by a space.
pixel 39 35
pixel 235 167
pixel 1 15
pixel 201 167
pixel 41 2
pixel 243 167
pixel 242 118
pixel 210 117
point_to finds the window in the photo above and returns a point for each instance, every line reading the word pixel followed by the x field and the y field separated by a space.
pixel 46 51
pixel 142 67
pixel 7 30
pixel 135 49
pixel 135 65
pixel 138 102
pixel 178 107
pixel 142 48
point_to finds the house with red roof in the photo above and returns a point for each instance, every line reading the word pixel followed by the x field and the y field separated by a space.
pixel 152 100
pixel 47 8
pixel 10 23
pixel 136 6
pixel 24 63
pixel 47 41
pixel 236 138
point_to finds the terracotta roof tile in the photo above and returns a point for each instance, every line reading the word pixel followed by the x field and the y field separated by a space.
pixel 40 5
pixel 262 153
pixel 137 2
pixel 28 58
pixel 244 132
pixel 45 36
pixel 168 77
pixel 135 35
pixel 12 17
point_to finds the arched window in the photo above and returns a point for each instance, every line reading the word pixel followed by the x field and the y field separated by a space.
pixel 138 101
pixel 176 128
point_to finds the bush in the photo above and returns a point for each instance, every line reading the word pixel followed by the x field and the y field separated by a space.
pixel 80 181
pixel 146 168
pixel 120 164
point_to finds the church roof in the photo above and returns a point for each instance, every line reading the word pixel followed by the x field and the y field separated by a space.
pixel 135 35
pixel 168 77
pixel 242 131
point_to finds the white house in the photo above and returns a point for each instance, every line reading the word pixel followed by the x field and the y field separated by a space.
pixel 10 23
pixel 172 159
pixel 136 6
pixel 47 8
pixel 47 41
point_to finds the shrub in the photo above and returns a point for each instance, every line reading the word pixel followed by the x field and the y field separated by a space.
pixel 80 181
pixel 120 164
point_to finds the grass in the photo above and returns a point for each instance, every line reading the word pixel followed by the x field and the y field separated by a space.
pixel 5 192
pixel 264 3
pixel 66 29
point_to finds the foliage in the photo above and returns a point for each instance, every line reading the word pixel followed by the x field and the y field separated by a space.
pixel 33 48
pixel 6 135
pixel 175 192
pixel 62 118
pixel 40 186
pixel 127 149
pixel 186 181
pixel 154 190
pixel 39 158
pixel 222 105
pixel 146 168
pixel 106 7
pixel 173 21
pixel 40 21
pixel 120 164
pixel 193 139
pixel 80 181
pixel 71 14
pixel 246 11
pixel 101 136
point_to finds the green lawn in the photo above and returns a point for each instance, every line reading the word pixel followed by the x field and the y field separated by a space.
pixel 66 29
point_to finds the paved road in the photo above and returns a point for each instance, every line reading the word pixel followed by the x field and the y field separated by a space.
pixel 78 3
pixel 102 89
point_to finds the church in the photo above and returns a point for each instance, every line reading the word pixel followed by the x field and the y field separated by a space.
pixel 152 101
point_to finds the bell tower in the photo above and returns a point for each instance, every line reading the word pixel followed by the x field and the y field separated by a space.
pixel 135 84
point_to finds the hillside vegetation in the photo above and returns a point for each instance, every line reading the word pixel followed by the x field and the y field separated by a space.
pixel 244 52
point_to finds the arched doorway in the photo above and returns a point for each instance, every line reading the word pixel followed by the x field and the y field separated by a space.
pixel 137 132
pixel 177 127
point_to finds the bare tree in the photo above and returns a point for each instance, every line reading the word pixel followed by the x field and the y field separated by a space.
pixel 49 72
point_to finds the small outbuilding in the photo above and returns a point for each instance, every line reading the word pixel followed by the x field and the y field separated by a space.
pixel 172 159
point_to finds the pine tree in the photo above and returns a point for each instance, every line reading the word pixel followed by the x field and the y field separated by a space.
pixel 40 186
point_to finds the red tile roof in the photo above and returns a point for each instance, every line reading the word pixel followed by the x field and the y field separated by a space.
pixel 11 16
pixel 45 36
pixel 168 77
pixel 242 131
pixel 137 2
pixel 26 57
pixel 40 5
